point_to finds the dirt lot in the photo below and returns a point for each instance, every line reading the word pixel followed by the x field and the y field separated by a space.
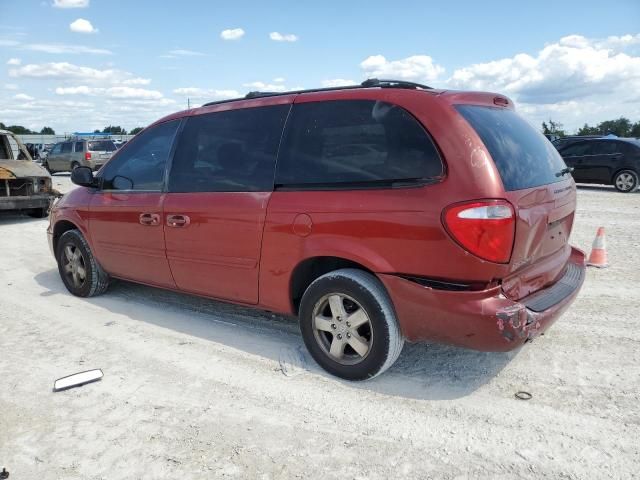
pixel 199 389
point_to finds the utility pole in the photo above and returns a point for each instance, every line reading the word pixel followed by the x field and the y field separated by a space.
pixel 188 103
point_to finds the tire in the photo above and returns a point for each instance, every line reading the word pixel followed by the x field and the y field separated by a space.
pixel 74 165
pixel 96 280
pixel 625 181
pixel 38 212
pixel 326 307
pixel 45 165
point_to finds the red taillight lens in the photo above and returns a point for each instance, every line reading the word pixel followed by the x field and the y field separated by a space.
pixel 485 228
pixel 87 156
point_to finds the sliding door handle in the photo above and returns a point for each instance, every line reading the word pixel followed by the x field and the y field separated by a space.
pixel 149 219
pixel 178 220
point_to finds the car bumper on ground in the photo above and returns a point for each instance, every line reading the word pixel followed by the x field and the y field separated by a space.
pixel 483 320
pixel 25 203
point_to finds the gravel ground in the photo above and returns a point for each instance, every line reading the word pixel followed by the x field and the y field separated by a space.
pixel 199 389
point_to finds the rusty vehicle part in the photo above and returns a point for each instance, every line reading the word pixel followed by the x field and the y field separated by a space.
pixel 24 185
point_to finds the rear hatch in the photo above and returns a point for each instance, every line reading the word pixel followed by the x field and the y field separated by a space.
pixel 101 150
pixel 541 191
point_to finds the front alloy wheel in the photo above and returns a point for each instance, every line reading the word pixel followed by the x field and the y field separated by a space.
pixel 79 270
pixel 74 266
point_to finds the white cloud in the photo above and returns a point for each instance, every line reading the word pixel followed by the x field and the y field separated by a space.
pixel 136 81
pixel 113 92
pixel 23 96
pixel 279 79
pixel 213 94
pixel 417 68
pixel 82 26
pixel 14 61
pixel 10 86
pixel 183 53
pixel 265 87
pixel 575 80
pixel 69 71
pixel 572 68
pixel 54 48
pixel 283 37
pixel 337 82
pixel 232 34
pixel 70 3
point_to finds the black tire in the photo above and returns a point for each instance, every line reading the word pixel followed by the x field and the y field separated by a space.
pixel 626 181
pixel 74 165
pixel 45 165
pixel 382 332
pixel 96 279
pixel 38 212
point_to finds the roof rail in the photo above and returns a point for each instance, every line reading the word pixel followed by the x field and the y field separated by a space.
pixel 370 83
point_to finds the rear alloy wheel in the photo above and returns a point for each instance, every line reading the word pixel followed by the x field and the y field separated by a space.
pixel 74 165
pixel 78 268
pixel 626 181
pixel 349 326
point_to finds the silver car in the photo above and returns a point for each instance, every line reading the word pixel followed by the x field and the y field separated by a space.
pixel 67 155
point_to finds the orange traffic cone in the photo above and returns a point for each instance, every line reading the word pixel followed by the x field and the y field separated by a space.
pixel 598 257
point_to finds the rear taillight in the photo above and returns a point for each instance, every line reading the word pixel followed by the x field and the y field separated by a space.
pixel 485 228
pixel 87 156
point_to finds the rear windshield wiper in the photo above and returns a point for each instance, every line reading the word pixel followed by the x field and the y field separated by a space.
pixel 564 171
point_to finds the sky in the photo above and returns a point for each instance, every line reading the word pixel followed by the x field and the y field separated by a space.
pixel 78 65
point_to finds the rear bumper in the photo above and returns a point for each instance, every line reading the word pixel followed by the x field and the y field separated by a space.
pixel 483 320
pixel 24 203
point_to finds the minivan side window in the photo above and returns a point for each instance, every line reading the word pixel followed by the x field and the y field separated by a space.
pixel 351 143
pixel 66 147
pixel 79 146
pixel 57 148
pixel 575 150
pixel 141 166
pixel 229 151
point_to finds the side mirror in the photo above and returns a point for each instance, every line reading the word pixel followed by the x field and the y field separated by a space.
pixel 83 176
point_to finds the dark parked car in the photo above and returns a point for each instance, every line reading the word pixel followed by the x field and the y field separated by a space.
pixel 610 161
pixel 377 214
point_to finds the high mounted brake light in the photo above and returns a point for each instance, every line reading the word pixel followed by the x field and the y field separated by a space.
pixel 484 228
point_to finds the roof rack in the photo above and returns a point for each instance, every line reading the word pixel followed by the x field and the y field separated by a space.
pixel 370 83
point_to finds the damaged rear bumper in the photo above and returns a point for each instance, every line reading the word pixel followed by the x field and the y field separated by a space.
pixel 483 320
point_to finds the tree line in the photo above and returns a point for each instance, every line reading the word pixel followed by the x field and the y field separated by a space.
pixel 621 127
pixel 111 129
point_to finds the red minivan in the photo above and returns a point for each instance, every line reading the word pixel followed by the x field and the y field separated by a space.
pixel 379 213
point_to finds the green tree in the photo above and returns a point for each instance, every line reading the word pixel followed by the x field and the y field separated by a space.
pixel 19 130
pixel 114 130
pixel 620 127
pixel 136 130
pixel 587 130
pixel 2 127
pixel 553 128
pixel 635 130
pixel 47 131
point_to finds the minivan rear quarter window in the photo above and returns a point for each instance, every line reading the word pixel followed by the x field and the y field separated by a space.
pixel 350 143
pixel 523 156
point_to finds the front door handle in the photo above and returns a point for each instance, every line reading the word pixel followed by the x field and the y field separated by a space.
pixel 149 219
pixel 178 220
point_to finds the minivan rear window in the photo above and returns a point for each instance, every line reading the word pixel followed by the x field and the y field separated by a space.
pixel 355 143
pixel 102 146
pixel 522 155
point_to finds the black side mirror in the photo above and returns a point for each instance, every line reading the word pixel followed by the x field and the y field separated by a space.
pixel 83 176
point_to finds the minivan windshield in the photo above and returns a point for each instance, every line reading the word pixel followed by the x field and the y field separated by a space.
pixel 102 146
pixel 523 156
